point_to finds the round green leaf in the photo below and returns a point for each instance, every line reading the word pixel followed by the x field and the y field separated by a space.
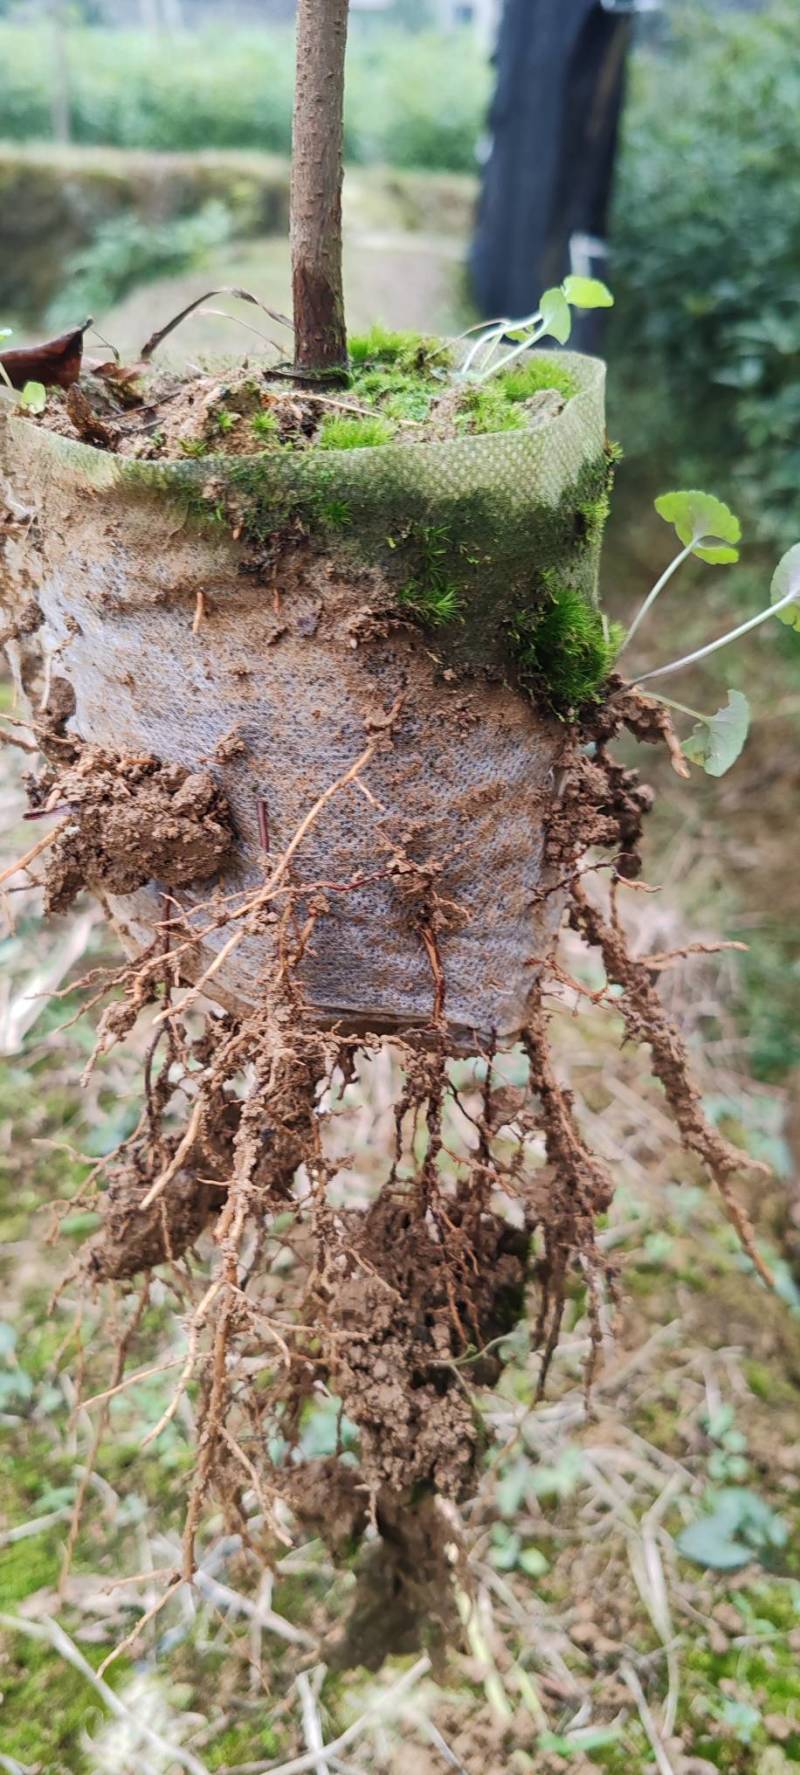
pixel 707 1543
pixel 554 310
pixel 715 744
pixel 704 522
pixel 33 397
pixel 786 579
pixel 532 1561
pixel 587 292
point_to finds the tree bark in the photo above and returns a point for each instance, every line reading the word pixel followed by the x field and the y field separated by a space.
pixel 316 194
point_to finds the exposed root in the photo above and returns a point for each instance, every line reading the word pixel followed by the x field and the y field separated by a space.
pixel 646 1021
pixel 397 1307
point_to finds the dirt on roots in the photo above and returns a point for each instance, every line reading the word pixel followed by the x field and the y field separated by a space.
pixel 395 1308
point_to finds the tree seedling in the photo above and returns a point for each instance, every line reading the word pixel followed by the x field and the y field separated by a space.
pixel 706 528
pixel 709 530
pixel 551 319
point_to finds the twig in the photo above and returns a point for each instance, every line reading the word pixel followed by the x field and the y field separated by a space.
pixel 312 1725
pixel 651 1732
pixel 156 1189
pixel 50 1631
pixel 492 1682
pixel 142 1374
pixel 34 1526
pixel 42 844
pixel 383 1704
pixel 137 1631
pixel 241 1605
pixel 157 338
pixel 195 1329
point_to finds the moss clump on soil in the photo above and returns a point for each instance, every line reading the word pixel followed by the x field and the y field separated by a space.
pixel 265 426
pixel 508 402
pixel 567 645
pixel 342 431
pixel 412 352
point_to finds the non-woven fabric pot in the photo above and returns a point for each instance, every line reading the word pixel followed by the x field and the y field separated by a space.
pixel 318 574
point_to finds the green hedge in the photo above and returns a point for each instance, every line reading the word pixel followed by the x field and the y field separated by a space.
pixel 413 100
pixel 706 262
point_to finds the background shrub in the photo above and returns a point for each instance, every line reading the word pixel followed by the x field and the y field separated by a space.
pixel 412 100
pixel 706 257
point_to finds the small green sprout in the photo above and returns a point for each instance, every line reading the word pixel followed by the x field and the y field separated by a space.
pixel 224 420
pixel 436 602
pixel 33 398
pixel 717 740
pixel 784 602
pixel 709 529
pixel 705 526
pixel 336 514
pixel 552 318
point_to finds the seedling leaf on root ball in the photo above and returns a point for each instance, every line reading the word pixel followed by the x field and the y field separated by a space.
pixel 33 397
pixel 698 519
pixel 587 292
pixel 785 579
pixel 715 743
pixel 554 310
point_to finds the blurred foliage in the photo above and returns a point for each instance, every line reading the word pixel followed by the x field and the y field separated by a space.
pixel 127 250
pixel 411 100
pixel 707 254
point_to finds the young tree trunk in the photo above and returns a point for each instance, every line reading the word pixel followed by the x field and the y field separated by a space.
pixel 316 197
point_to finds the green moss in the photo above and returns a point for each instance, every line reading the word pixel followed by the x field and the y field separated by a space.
pixel 760 1380
pixel 486 574
pixel 399 373
pixel 431 594
pixel 47 1705
pixel 335 514
pixel 566 646
pixel 484 407
pixel 340 431
pixel 265 425
pixel 408 351
pixel 194 446
pixel 241 1744
pixel 436 603
pixel 400 394
pixel 527 379
pixel 28 1565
